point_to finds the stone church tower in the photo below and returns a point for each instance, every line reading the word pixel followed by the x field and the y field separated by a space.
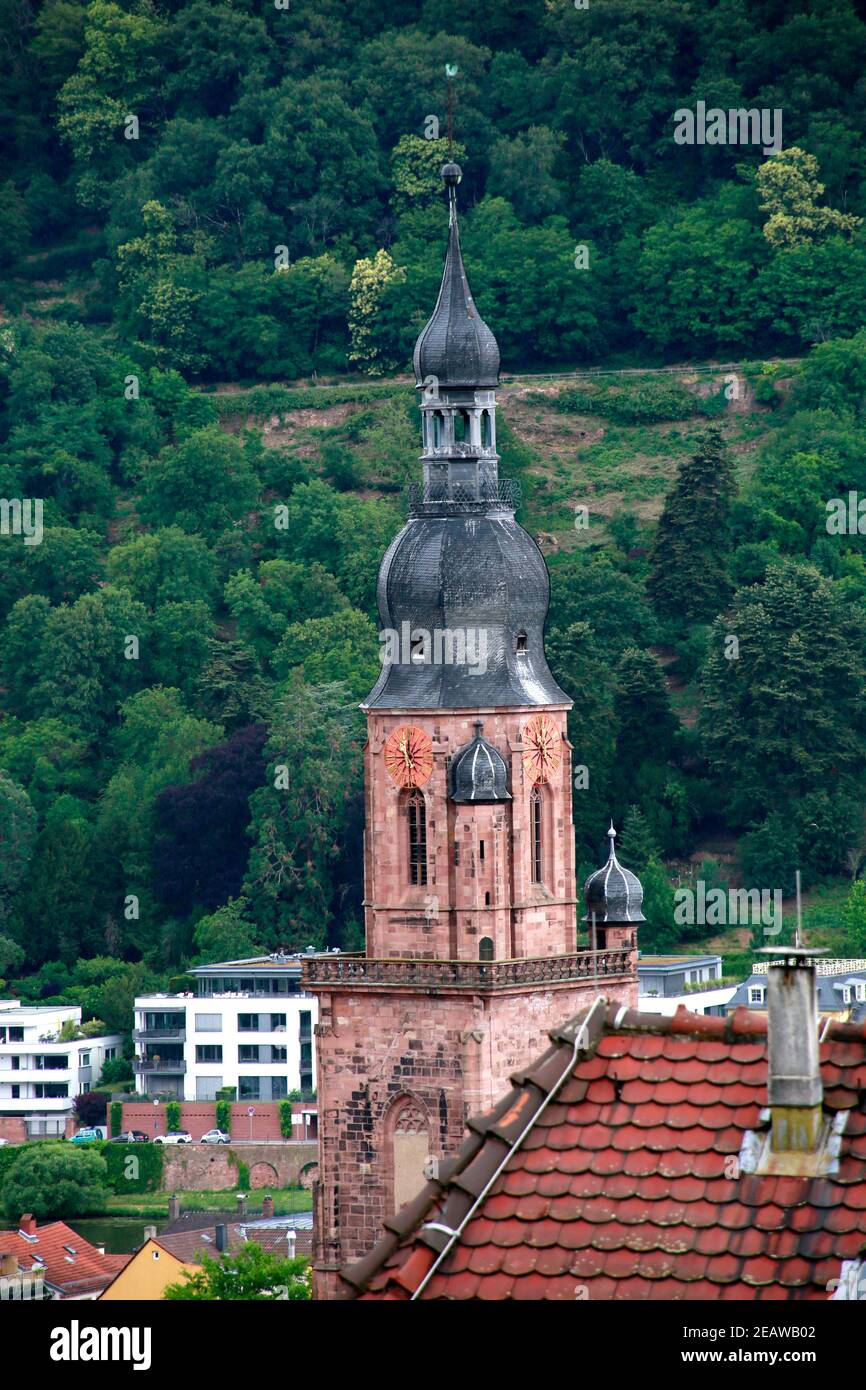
pixel 470 898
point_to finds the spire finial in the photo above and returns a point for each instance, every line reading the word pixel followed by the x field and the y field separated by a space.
pixel 611 835
pixel 478 728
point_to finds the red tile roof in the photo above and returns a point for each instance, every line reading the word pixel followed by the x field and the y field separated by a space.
pixel 622 1186
pixel 74 1274
pixel 190 1245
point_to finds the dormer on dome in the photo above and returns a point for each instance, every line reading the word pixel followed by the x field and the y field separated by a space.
pixel 478 772
pixel 613 894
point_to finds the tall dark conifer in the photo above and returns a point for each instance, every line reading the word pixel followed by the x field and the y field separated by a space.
pixel 689 572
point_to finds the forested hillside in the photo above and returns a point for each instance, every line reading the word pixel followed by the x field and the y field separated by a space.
pixel 221 228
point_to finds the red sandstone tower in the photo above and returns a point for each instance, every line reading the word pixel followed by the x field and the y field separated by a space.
pixel 469 849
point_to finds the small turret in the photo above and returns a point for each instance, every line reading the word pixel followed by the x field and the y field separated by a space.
pixel 613 897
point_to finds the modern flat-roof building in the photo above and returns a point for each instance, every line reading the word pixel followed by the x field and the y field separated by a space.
pixel 246 1023
pixel 666 982
pixel 40 1074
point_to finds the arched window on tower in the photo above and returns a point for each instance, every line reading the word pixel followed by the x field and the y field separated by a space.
pixel 535 815
pixel 438 421
pixel 520 643
pixel 486 436
pixel 417 816
pixel 485 948
pixel 461 426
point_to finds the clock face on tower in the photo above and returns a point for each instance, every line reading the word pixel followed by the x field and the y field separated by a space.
pixel 542 748
pixel 409 756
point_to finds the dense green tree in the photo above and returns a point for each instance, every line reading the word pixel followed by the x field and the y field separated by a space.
pixel 227 934
pixel 589 587
pixel 280 593
pixel 204 484
pixel 17 840
pixel 578 664
pixel 55 1181
pixel 164 566
pixel 299 818
pixel 645 722
pixel 789 190
pixel 689 557
pixel 782 711
pixel 250 1273
pixel 341 647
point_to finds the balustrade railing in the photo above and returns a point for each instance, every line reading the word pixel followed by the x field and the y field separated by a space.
pixel 465 974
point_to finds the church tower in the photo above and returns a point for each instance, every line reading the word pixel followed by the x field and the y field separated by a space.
pixel 470 902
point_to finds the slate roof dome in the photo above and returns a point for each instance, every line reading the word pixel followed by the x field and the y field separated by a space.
pixel 613 893
pixel 456 346
pixel 478 772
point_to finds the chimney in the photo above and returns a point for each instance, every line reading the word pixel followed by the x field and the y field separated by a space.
pixel 222 1237
pixel 27 1225
pixel 173 1207
pixel 8 1265
pixel 242 1206
pixel 267 1207
pixel 794 1081
pixel 150 1233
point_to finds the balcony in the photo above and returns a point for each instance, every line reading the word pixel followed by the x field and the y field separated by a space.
pixel 466 974
pixel 168 1064
pixel 159 1034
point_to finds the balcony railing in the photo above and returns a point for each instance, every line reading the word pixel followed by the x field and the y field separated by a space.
pixel 159 1064
pixel 466 974
pixel 446 497
pixel 166 1034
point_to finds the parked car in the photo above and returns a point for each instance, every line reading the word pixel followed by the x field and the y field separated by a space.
pixel 86 1136
pixel 174 1136
pixel 131 1136
pixel 215 1136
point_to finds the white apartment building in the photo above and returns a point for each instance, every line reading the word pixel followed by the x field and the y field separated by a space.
pixel 40 1076
pixel 247 1024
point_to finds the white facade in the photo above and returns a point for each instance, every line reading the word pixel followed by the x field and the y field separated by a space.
pixel 699 1001
pixel 40 1076
pixel 257 1037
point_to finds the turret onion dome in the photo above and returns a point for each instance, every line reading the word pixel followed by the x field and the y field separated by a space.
pixel 456 346
pixel 478 771
pixel 613 893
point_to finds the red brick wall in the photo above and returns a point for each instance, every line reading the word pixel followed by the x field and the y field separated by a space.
pixel 450 1054
pixel 448 916
pixel 13 1128
pixel 200 1116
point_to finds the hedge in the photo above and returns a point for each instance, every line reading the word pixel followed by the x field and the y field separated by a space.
pixel 172 1115
pixel 224 1115
pixel 147 1168
pixel 286 1119
pixel 115 1112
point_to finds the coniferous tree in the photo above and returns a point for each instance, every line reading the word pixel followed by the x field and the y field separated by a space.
pixel 689 557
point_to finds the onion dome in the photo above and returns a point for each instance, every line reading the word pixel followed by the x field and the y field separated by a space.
pixel 612 893
pixel 456 346
pixel 478 771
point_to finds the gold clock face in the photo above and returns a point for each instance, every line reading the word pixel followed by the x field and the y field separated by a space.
pixel 542 748
pixel 409 756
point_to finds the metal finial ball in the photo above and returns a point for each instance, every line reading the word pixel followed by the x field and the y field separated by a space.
pixel 452 174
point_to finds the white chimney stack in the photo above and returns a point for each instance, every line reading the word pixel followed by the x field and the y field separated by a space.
pixel 794 1084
